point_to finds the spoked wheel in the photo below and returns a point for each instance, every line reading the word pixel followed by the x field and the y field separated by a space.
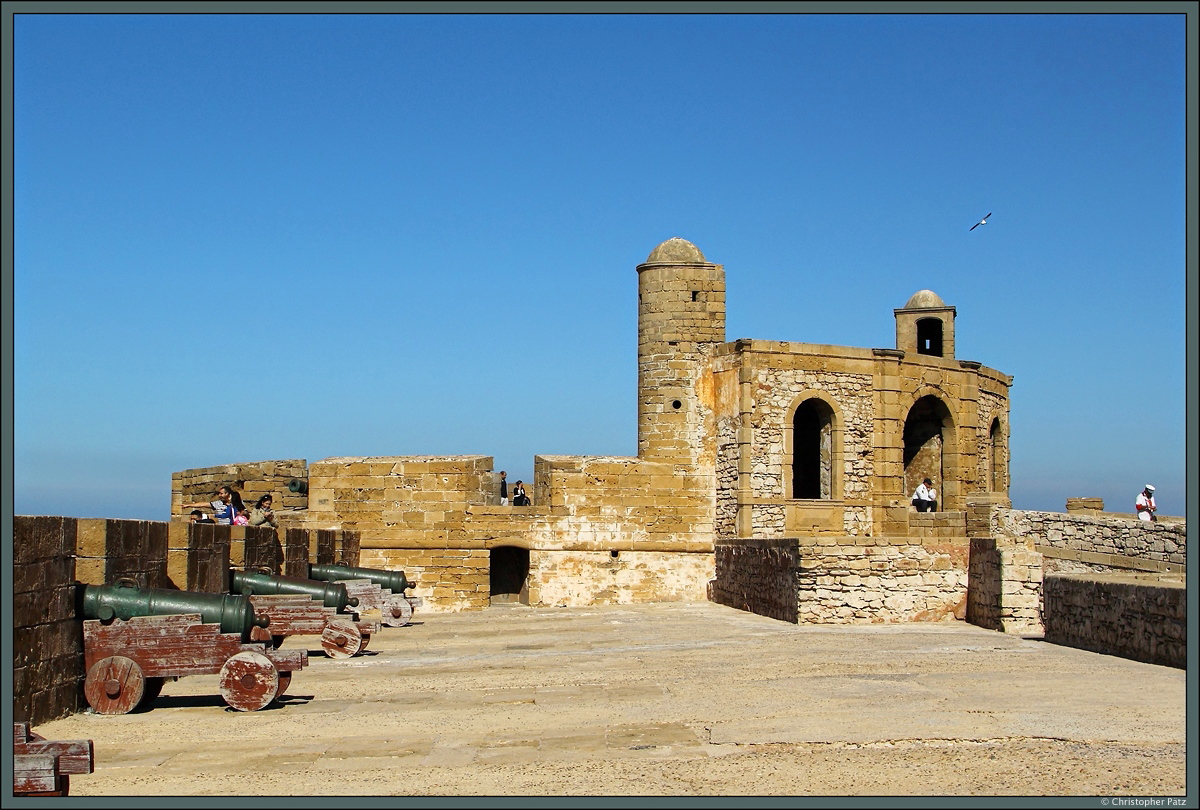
pixel 341 638
pixel 114 685
pixel 249 681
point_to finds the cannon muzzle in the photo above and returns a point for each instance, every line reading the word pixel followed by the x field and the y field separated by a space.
pixel 394 581
pixel 125 599
pixel 329 594
pixel 298 485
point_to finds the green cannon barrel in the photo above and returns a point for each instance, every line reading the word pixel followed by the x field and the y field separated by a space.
pixel 126 600
pixel 330 594
pixel 394 581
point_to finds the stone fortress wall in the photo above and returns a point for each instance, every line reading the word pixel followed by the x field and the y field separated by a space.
pixel 771 477
pixel 760 445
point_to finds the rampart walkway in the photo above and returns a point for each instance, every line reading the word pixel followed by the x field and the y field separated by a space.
pixel 675 699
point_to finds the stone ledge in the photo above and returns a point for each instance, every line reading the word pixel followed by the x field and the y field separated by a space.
pixel 1112 560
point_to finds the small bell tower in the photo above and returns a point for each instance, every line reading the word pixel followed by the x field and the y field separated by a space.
pixel 925 325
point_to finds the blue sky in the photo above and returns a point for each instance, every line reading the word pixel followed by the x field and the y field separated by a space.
pixel 244 237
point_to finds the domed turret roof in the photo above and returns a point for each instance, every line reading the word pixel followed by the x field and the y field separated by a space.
pixel 925 299
pixel 676 251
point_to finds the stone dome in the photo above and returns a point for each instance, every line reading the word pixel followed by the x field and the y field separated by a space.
pixel 676 251
pixel 925 299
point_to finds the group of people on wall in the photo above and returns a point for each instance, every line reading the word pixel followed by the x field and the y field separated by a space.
pixel 519 497
pixel 228 510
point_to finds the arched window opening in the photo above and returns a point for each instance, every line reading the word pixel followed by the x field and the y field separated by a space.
pixel 929 336
pixel 812 450
pixel 924 445
pixel 996 457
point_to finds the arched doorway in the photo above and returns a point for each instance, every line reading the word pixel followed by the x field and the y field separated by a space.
pixel 508 575
pixel 812 451
pixel 928 431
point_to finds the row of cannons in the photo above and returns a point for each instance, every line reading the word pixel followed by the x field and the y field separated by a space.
pixel 135 638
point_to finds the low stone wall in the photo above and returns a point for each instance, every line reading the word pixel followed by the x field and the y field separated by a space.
pixel 1143 618
pixel 758 576
pixel 560 578
pixel 1104 543
pixel 857 580
pixel 107 550
pixel 47 642
pixel 447 580
pixel 1005 587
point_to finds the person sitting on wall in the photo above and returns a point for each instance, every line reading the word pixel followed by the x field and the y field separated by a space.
pixel 925 498
pixel 198 517
pixel 242 518
pixel 223 512
pixel 262 514
pixel 1145 505
pixel 519 496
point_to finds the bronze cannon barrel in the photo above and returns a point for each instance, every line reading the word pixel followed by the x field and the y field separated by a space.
pixel 394 581
pixel 330 594
pixel 125 600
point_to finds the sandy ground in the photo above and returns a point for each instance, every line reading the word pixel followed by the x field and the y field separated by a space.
pixel 671 700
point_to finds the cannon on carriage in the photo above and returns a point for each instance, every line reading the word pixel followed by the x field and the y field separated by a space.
pixel 376 590
pixel 298 606
pixel 135 638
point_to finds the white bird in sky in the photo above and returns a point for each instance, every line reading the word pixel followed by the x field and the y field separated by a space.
pixel 980 222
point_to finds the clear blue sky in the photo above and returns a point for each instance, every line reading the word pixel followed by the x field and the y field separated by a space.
pixel 241 238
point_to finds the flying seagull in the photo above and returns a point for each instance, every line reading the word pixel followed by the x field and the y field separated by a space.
pixel 977 224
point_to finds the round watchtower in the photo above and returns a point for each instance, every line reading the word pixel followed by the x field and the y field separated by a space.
pixel 681 318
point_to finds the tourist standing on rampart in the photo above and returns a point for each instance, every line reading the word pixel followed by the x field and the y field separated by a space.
pixel 503 488
pixel 223 510
pixel 925 498
pixel 519 496
pixel 1145 505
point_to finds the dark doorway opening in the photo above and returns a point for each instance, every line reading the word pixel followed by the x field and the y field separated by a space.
pixel 812 450
pixel 509 574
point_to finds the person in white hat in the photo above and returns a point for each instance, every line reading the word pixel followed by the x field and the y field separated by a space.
pixel 1145 504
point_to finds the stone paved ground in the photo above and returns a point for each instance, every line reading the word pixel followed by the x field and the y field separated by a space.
pixel 668 699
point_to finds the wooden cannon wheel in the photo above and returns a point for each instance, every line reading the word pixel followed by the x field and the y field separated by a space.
pixel 249 681
pixel 397 611
pixel 366 639
pixel 341 638
pixel 114 685
pixel 285 680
